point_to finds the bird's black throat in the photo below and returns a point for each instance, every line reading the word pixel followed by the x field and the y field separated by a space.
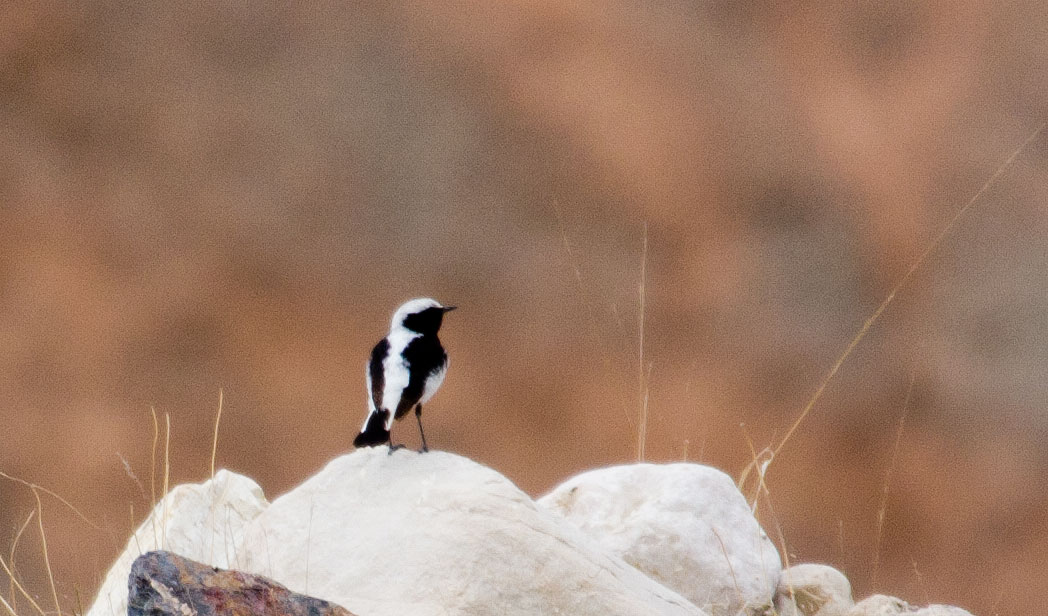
pixel 426 321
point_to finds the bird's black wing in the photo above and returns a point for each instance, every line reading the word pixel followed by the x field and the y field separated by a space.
pixel 378 376
pixel 424 356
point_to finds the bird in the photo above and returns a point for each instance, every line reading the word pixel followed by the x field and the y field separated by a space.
pixel 405 369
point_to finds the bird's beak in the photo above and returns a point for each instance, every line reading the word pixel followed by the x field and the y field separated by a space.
pixel 448 308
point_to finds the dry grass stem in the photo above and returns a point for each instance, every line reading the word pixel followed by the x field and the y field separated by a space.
pixel 21 589
pixel 167 469
pixel 592 317
pixel 152 472
pixel 11 556
pixel 759 462
pixel 783 548
pixel 731 570
pixel 921 590
pixel 7 606
pixel 841 553
pixel 47 558
pixel 914 266
pixel 51 493
pixel 152 461
pixel 309 542
pixel 131 527
pixel 131 475
pixel 883 509
pixel 214 441
pixel 642 388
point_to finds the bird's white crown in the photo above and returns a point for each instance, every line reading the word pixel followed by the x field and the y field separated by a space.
pixel 410 307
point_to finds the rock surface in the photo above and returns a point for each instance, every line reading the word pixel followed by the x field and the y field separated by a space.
pixel 165 584
pixel 813 590
pixel 203 521
pixel 439 534
pixel 883 605
pixel 685 525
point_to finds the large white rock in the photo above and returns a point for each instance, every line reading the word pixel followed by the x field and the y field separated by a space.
pixel 204 522
pixel 439 534
pixel 883 605
pixel 686 525
pixel 813 590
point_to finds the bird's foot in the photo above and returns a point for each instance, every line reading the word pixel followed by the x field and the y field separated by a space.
pixel 424 449
pixel 393 448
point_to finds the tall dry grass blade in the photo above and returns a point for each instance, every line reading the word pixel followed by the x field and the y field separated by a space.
pixel 572 260
pixel 642 389
pixel 783 548
pixel 731 569
pixel 592 316
pixel 11 556
pixel 841 553
pixel 21 589
pixel 152 462
pixel 759 462
pixel 51 493
pixel 309 541
pixel 760 489
pixel 47 557
pixel 167 469
pixel 152 474
pixel 230 545
pixel 214 441
pixel 130 472
pixel 883 509
pixel 873 318
pixel 7 606
pixel 921 590
pixel 214 453
pixel 131 528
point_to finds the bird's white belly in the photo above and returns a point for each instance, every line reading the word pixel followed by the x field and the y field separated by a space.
pixel 433 384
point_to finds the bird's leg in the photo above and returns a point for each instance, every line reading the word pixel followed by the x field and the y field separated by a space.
pixel 418 416
pixel 393 447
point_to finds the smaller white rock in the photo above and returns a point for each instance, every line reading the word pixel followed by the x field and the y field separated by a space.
pixel 883 605
pixel 813 590
pixel 685 525
pixel 204 522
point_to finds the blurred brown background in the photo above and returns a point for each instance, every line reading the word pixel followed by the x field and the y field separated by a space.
pixel 200 196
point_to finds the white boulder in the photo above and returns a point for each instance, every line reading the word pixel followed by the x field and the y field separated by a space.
pixel 439 534
pixel 883 605
pixel 204 522
pixel 685 525
pixel 813 590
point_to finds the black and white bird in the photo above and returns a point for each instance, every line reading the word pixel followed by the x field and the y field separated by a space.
pixel 405 370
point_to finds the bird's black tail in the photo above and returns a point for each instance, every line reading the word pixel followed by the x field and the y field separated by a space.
pixel 374 432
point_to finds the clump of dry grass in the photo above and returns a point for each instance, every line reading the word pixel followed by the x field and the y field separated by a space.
pixel 10 603
pixel 15 587
pixel 761 462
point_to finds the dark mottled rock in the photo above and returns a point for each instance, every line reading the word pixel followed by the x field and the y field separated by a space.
pixel 163 583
